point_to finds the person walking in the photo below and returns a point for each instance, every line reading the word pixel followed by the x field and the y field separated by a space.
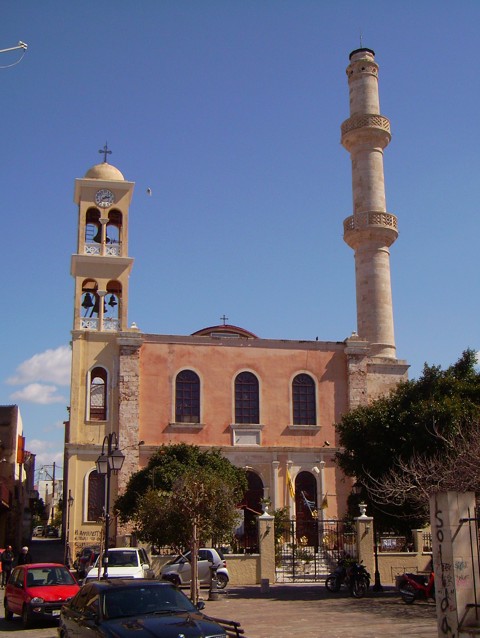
pixel 24 557
pixel 6 559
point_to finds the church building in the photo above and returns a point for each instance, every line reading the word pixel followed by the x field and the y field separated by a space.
pixel 270 405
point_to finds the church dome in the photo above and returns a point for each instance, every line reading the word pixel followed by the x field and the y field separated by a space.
pixel 104 171
pixel 224 330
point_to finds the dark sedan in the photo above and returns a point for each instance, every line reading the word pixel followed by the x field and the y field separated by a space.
pixel 134 608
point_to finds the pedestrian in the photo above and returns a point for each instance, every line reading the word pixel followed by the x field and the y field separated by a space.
pixel 6 559
pixel 24 557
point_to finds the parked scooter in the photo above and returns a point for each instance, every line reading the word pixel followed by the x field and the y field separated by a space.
pixel 416 587
pixel 353 575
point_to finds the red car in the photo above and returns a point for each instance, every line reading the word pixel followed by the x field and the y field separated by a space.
pixel 37 592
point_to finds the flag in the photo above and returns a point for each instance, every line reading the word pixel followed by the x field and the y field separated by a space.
pixel 291 487
pixel 324 502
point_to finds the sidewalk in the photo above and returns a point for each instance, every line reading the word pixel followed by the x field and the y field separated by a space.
pixel 309 611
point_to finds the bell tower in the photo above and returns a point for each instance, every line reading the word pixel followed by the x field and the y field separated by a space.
pixel 103 346
pixel 370 231
pixel 101 265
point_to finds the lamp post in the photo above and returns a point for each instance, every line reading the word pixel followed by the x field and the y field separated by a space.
pixel 67 534
pixel 378 585
pixel 107 464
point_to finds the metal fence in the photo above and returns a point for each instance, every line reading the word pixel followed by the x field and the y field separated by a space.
pixel 309 550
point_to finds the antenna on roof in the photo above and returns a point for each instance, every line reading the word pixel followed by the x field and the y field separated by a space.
pixel 20 45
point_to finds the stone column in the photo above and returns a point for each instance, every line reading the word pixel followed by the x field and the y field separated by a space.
pixel 266 542
pixel 455 563
pixel 128 410
pixel 365 540
pixel 275 499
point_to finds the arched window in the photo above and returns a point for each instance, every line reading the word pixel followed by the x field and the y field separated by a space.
pixel 98 395
pixel 95 496
pixel 304 403
pixel 247 408
pixel 187 397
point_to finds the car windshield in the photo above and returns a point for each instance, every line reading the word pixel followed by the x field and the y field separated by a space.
pixel 125 558
pixel 144 599
pixel 46 576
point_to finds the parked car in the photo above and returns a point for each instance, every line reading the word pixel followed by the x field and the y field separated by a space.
pixel 85 559
pixel 123 562
pixel 51 531
pixel 37 592
pixel 138 607
pixel 179 570
pixel 39 530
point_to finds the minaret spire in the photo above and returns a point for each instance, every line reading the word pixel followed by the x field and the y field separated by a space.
pixel 370 230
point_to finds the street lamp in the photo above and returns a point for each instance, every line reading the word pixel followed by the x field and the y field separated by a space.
pixel 108 464
pixel 67 530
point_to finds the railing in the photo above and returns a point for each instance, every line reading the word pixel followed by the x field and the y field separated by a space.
pixel 370 218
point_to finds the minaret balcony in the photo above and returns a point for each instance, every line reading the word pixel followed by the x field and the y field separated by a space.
pixel 378 222
pixel 366 129
pixel 366 120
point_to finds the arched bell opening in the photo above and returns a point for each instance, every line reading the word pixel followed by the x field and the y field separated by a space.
pixel 252 507
pixel 111 306
pixel 90 302
pixel 93 227
pixel 114 227
pixel 306 513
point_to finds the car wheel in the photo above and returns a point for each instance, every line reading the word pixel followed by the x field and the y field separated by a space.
pixel 222 580
pixel 8 613
pixel 26 618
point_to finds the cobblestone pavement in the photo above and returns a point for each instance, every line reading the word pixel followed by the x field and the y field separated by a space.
pixel 309 611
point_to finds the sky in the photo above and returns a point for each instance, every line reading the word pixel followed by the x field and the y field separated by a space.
pixel 229 112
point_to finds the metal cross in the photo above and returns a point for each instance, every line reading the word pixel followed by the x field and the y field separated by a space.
pixel 224 319
pixel 105 152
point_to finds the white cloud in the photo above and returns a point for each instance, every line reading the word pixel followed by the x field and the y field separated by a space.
pixel 38 393
pixel 46 453
pixel 51 366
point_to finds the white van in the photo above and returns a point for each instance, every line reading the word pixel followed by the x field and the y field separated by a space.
pixel 123 562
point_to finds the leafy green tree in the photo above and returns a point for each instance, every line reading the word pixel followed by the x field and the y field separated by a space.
pixel 39 514
pixel 184 497
pixel 419 418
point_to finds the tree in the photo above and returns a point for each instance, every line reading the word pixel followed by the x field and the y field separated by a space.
pixel 183 497
pixel 417 421
pixel 39 514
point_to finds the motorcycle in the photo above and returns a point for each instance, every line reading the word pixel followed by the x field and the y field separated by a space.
pixel 336 579
pixel 353 575
pixel 416 587
pixel 359 580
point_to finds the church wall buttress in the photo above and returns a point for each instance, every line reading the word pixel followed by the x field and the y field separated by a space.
pixel 128 407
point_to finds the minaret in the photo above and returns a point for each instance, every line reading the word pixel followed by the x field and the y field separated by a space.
pixel 370 230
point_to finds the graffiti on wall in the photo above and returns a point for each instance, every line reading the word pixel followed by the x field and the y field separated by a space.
pixel 444 574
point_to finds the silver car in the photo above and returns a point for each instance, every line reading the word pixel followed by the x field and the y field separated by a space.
pixel 179 570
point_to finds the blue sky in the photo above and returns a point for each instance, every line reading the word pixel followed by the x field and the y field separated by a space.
pixel 230 112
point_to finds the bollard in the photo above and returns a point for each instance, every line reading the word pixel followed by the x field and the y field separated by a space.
pixel 265 585
pixel 215 593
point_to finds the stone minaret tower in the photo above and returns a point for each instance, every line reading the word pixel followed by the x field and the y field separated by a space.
pixel 370 230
